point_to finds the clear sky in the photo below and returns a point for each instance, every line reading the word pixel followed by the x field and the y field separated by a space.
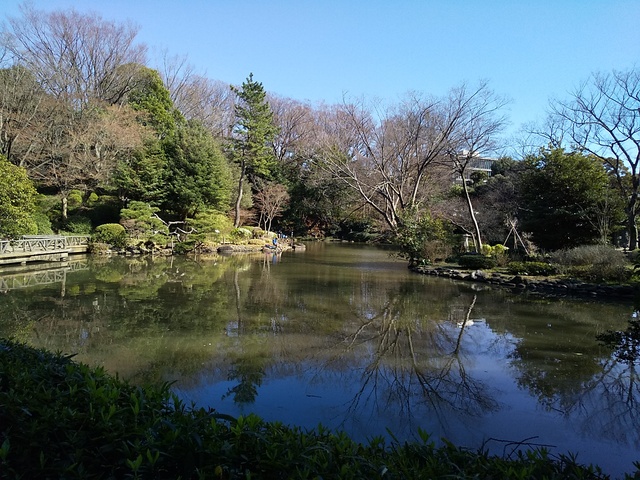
pixel 528 50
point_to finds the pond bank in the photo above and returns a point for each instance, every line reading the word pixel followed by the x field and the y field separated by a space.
pixel 539 285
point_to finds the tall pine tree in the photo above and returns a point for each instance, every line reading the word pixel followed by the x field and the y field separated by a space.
pixel 253 133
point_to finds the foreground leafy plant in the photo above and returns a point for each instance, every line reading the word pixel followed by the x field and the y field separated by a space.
pixel 61 419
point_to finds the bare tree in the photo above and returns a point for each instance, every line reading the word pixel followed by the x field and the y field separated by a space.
pixel 271 199
pixel 391 156
pixel 296 124
pixel 477 119
pixel 81 151
pixel 602 118
pixel 386 156
pixel 198 97
pixel 20 103
pixel 75 57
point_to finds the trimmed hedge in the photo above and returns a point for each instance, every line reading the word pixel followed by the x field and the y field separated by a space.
pixel 532 268
pixel 112 234
pixel 476 261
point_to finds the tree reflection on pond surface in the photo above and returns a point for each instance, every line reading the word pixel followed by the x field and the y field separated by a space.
pixel 346 336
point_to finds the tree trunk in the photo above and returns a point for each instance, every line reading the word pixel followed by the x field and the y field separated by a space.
pixel 476 228
pixel 243 167
pixel 65 207
pixel 633 230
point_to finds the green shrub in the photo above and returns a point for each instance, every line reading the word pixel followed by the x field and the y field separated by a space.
pixel 532 268
pixel 98 247
pixel 475 261
pixel 78 224
pixel 44 223
pixel 593 263
pixel 498 251
pixel 140 220
pixel 158 239
pixel 17 201
pixel 240 234
pixel 601 272
pixel 93 198
pixel 74 199
pixel 257 232
pixel 211 222
pixel 422 239
pixel 113 234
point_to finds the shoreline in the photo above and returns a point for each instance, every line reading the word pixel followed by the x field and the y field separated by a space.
pixel 551 287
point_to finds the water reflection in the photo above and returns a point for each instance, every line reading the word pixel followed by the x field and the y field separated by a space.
pixel 346 336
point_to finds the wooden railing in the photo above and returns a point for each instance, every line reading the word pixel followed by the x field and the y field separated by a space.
pixel 16 281
pixel 42 244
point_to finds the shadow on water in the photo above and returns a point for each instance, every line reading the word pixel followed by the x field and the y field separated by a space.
pixel 346 336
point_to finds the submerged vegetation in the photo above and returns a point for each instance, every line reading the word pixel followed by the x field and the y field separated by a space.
pixel 62 419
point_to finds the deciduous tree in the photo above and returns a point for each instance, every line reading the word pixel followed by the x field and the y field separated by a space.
pixel 21 99
pixel 476 120
pixel 271 199
pixel 75 57
pixel 602 118
pixel 396 158
pixel 197 97
pixel 386 157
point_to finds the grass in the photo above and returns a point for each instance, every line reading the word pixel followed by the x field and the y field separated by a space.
pixel 62 419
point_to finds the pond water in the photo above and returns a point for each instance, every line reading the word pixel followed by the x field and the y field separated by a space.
pixel 344 335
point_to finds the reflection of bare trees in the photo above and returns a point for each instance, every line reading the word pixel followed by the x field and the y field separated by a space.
pixel 608 404
pixel 605 401
pixel 406 362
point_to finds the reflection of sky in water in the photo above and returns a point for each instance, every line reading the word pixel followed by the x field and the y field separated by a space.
pixel 316 394
pixel 343 336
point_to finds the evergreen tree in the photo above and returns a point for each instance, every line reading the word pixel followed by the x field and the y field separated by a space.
pixel 563 196
pixel 253 134
pixel 141 176
pixel 198 175
pixel 17 201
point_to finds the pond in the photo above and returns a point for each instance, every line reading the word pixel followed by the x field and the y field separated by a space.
pixel 346 336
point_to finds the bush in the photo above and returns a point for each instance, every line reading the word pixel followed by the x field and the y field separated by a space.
pixel 475 261
pixel 17 201
pixel 74 199
pixel 110 233
pixel 98 248
pixel 498 252
pixel 140 220
pixel 93 198
pixel 44 223
pixel 211 222
pixel 422 239
pixel 78 224
pixel 532 268
pixel 593 263
pixel 258 233
pixel 240 234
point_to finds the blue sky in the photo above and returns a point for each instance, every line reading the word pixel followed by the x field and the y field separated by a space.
pixel 528 50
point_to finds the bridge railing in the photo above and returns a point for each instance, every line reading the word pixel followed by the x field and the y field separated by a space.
pixel 42 243
pixel 77 240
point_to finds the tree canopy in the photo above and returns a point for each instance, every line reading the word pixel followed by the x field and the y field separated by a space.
pixel 253 135
pixel 562 195
pixel 17 201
